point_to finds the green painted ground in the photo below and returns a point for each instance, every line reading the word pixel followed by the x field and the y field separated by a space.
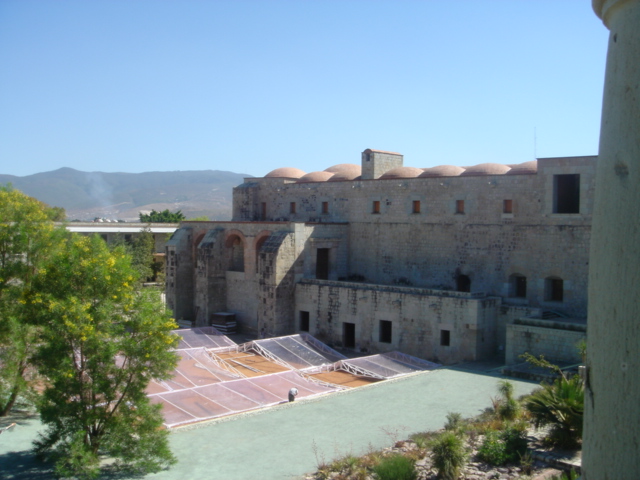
pixel 278 443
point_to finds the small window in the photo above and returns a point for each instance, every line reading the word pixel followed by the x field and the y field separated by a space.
pixel 518 286
pixel 304 321
pixel 459 207
pixel 385 331
pixel 292 207
pixel 325 207
pixel 507 206
pixel 566 193
pixel 376 207
pixel 554 289
pixel 415 206
pixel 263 211
pixel 463 283
pixel 445 338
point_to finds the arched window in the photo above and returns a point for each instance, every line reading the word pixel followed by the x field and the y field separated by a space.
pixel 463 283
pixel 553 289
pixel 518 286
pixel 235 248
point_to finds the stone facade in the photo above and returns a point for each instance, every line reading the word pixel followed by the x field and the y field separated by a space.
pixel 434 262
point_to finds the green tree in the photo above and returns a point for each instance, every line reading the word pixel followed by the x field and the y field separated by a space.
pixel 162 217
pixel 27 239
pixel 101 342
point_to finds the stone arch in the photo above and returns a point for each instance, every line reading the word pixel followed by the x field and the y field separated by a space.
pixel 234 244
pixel 259 241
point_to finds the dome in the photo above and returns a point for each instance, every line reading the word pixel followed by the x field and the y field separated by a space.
pixel 442 171
pixel 345 176
pixel 526 168
pixel 285 172
pixel 402 172
pixel 486 169
pixel 344 168
pixel 315 177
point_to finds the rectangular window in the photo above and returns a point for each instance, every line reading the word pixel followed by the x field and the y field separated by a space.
pixel 292 207
pixel 325 207
pixel 507 206
pixel 348 335
pixel 566 193
pixel 322 264
pixel 459 207
pixel 376 207
pixel 263 211
pixel 385 331
pixel 445 338
pixel 554 289
pixel 304 321
pixel 416 206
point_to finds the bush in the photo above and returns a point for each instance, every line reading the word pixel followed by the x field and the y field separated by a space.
pixel 560 405
pixel 396 467
pixel 449 455
pixel 454 421
pixel 507 446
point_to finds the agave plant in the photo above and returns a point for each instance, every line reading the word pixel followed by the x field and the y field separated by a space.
pixel 560 405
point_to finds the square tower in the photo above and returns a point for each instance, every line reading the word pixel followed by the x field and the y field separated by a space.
pixel 376 162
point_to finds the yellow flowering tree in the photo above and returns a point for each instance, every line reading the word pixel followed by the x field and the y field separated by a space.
pixel 102 341
pixel 27 240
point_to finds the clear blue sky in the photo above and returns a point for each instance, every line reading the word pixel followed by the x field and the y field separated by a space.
pixel 250 86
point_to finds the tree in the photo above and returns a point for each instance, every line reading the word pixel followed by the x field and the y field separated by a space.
pixel 101 343
pixel 162 217
pixel 27 240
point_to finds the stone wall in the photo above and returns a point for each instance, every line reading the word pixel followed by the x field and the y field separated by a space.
pixel 556 344
pixel 417 316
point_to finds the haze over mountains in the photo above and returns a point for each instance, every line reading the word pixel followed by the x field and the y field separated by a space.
pixel 86 195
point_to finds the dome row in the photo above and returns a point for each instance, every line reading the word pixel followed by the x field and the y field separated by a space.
pixel 349 171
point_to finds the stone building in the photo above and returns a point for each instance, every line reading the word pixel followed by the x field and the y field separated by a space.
pixel 445 263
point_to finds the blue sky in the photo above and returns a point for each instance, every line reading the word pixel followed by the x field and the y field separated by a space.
pixel 250 86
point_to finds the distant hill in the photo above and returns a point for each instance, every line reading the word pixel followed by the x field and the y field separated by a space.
pixel 86 195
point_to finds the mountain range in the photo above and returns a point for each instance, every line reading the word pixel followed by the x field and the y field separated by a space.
pixel 122 196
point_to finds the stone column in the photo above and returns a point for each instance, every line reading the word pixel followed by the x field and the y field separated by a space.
pixel 612 398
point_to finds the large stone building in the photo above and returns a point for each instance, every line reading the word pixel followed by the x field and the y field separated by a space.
pixel 445 263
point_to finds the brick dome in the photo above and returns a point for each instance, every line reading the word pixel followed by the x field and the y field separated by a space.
pixel 402 172
pixel 442 171
pixel 345 168
pixel 486 169
pixel 285 172
pixel 526 168
pixel 315 177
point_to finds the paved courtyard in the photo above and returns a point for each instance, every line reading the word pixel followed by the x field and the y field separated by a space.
pixel 279 442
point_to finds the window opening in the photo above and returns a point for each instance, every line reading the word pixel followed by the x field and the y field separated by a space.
pixel 518 286
pixel 376 206
pixel 325 207
pixel 445 338
pixel 292 207
pixel 507 206
pixel 263 213
pixel 349 335
pixel 463 283
pixel 236 254
pixel 385 331
pixel 416 206
pixel 322 264
pixel 459 207
pixel 566 193
pixel 304 321
pixel 554 289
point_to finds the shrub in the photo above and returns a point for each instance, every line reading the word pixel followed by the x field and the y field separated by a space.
pixel 560 405
pixel 503 447
pixel 395 467
pixel 454 421
pixel 449 455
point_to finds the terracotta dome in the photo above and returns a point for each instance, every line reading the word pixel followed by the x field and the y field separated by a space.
pixel 526 168
pixel 345 168
pixel 345 176
pixel 442 171
pixel 285 172
pixel 402 172
pixel 315 177
pixel 486 169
